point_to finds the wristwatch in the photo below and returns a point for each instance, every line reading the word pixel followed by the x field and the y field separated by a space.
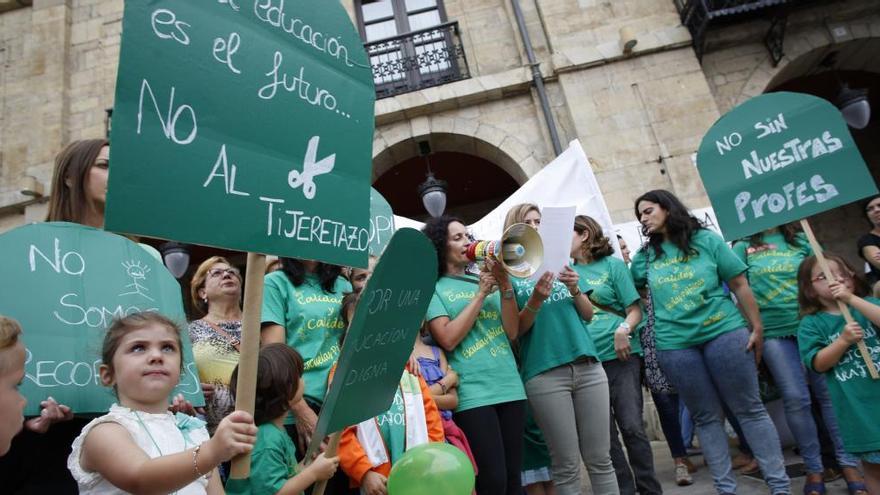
pixel 624 325
pixel 507 294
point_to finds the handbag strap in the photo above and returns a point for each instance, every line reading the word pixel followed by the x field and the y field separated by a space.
pixel 234 342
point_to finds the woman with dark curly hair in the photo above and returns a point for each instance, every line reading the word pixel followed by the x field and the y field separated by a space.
pixel 301 305
pixel 475 324
pixel 703 342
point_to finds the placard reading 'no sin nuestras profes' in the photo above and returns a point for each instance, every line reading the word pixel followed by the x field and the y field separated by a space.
pixel 65 284
pixel 246 125
pixel 778 158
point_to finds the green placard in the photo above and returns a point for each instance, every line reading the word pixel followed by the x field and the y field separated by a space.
pixel 244 125
pixel 65 283
pixel 382 333
pixel 381 222
pixel 778 158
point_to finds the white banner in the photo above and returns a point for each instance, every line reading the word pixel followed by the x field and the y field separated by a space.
pixel 566 181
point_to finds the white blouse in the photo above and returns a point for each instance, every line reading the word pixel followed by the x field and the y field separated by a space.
pixel 148 431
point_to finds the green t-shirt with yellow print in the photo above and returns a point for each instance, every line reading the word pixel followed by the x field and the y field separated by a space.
pixel 311 321
pixel 483 359
pixel 690 304
pixel 613 288
pixel 772 274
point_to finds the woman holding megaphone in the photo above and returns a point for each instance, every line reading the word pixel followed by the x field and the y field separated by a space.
pixel 475 323
pixel 566 386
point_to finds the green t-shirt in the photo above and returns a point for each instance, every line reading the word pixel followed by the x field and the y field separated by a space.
pixel 311 321
pixel 854 393
pixel 558 335
pixel 772 274
pixel 273 462
pixel 392 424
pixel 690 304
pixel 483 359
pixel 612 287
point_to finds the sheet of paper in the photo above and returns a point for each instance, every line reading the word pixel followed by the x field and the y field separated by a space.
pixel 556 229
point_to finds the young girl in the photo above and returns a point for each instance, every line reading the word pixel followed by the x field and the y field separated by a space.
pixel 11 374
pixel 828 345
pixel 442 382
pixel 139 446
pixel 273 461
pixel 369 449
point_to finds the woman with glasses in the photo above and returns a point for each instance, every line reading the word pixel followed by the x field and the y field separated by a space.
pixel 216 293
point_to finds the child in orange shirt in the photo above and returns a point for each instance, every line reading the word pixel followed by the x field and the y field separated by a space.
pixel 369 449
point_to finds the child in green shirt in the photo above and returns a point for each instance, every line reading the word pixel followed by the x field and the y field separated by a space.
pixel 827 345
pixel 273 462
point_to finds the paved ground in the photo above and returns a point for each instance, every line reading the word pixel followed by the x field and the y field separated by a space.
pixel 703 480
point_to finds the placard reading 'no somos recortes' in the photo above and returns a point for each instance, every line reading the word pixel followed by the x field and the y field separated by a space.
pixel 65 284
pixel 245 125
pixel 778 158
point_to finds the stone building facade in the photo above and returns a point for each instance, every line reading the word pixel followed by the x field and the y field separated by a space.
pixel 639 116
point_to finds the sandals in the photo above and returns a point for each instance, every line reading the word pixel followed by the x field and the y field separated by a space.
pixel 856 488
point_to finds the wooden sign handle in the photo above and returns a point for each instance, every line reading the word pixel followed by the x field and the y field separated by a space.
pixel 332 448
pixel 249 350
pixel 844 309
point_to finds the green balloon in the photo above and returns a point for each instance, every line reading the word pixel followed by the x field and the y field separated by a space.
pixel 432 469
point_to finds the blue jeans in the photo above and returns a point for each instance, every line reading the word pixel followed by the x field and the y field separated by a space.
pixel 783 360
pixel 823 398
pixel 722 369
pixel 667 408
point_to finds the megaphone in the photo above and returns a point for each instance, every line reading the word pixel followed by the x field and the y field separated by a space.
pixel 520 250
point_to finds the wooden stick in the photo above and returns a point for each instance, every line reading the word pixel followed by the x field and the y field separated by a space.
pixel 332 447
pixel 844 309
pixel 249 350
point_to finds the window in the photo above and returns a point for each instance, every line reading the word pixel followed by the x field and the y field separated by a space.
pixel 410 44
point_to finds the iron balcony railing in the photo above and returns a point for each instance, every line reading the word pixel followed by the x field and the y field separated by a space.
pixel 699 15
pixel 417 60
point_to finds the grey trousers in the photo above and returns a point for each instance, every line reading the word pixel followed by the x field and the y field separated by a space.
pixel 570 403
pixel 626 414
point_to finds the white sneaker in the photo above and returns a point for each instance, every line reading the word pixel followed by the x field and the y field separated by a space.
pixel 682 476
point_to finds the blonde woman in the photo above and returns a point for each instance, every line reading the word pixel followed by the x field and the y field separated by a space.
pixel 565 384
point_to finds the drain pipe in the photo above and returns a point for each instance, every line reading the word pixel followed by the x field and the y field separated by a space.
pixel 537 78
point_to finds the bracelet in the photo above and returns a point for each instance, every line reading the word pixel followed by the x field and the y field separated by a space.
pixel 576 293
pixel 196 464
pixel 530 308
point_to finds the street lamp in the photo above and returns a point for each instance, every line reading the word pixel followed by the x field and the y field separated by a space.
pixel 854 105
pixel 176 258
pixel 433 190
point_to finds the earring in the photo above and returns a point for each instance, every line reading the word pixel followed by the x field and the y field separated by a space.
pixel 206 300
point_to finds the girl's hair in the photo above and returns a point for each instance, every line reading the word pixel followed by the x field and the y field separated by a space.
pixel 517 214
pixel 9 332
pixel 279 369
pixel 437 230
pixel 808 300
pixel 789 231
pixel 68 202
pixel 597 245
pixel 296 273
pixel 349 303
pixel 130 323
pixel 199 278
pixel 680 224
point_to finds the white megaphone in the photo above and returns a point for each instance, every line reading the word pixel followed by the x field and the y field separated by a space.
pixel 520 250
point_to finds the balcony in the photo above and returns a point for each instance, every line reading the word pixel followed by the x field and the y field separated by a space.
pixel 417 60
pixel 701 15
